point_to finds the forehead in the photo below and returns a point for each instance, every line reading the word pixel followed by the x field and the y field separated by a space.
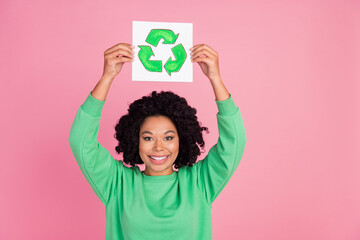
pixel 157 123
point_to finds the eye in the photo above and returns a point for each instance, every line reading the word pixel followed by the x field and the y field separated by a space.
pixel 168 138
pixel 147 138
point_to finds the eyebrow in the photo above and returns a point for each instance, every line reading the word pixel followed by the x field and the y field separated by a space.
pixel 169 131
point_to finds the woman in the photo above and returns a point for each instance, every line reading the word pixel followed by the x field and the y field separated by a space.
pixel 162 131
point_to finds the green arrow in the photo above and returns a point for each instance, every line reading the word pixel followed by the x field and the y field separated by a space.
pixel 144 55
pixel 180 56
pixel 156 34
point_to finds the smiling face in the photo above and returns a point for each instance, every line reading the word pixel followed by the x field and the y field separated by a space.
pixel 158 145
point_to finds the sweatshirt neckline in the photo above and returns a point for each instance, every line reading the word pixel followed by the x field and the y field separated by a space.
pixel 160 178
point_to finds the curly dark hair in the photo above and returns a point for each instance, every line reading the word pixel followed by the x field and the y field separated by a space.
pixel 165 103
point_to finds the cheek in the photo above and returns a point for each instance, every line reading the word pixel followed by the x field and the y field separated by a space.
pixel 174 147
pixel 143 148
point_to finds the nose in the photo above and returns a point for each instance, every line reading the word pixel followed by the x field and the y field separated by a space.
pixel 158 145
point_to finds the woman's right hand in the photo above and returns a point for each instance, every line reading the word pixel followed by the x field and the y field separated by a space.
pixel 115 57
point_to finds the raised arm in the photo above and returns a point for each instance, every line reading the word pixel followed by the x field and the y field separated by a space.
pixel 215 171
pixel 114 59
pixel 208 59
pixel 100 169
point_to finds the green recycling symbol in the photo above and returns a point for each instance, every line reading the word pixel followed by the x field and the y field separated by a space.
pixel 153 39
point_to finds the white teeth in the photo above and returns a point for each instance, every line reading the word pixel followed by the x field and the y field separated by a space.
pixel 158 158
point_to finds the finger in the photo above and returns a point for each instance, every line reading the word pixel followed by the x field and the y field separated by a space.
pixel 204 46
pixel 202 59
pixel 205 52
pixel 122 59
pixel 195 46
pixel 201 47
pixel 119 46
pixel 122 52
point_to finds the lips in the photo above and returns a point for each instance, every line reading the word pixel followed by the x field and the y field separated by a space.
pixel 158 159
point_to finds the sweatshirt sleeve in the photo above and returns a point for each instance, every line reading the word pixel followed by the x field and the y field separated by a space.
pixel 100 169
pixel 216 169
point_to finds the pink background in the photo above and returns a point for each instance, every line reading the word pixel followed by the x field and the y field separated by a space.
pixel 291 66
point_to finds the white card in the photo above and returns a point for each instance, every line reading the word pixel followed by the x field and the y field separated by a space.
pixel 162 52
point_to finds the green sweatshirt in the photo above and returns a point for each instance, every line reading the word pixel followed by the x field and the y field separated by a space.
pixel 141 207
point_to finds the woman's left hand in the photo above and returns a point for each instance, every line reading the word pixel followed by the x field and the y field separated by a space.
pixel 208 59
